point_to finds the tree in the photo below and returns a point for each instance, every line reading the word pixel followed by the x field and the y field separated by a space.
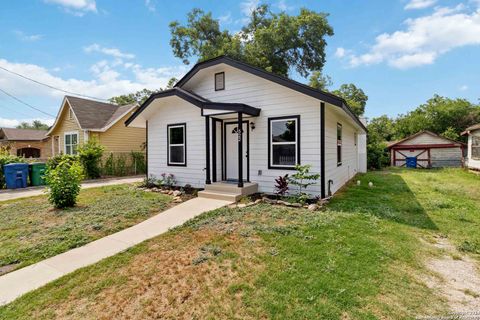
pixel 354 96
pixel 273 42
pixel 383 127
pixel 36 124
pixel 140 96
pixel 319 81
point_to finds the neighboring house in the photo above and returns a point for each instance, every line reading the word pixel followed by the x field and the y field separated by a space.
pixel 426 149
pixel 227 121
pixel 473 153
pixel 81 119
pixel 26 143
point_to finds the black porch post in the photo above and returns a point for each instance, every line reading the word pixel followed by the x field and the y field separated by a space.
pixel 240 150
pixel 207 150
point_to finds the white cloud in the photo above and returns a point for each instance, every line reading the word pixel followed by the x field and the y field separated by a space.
pixel 114 52
pixel 27 37
pixel 150 5
pixel 12 123
pixel 419 4
pixel 463 88
pixel 424 39
pixel 226 18
pixel 248 6
pixel 76 7
pixel 340 52
pixel 283 6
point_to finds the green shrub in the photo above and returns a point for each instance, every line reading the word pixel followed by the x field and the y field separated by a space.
pixel 108 167
pixel 138 162
pixel 90 155
pixel 6 158
pixel 121 166
pixel 303 178
pixel 63 183
pixel 53 162
pixel 377 155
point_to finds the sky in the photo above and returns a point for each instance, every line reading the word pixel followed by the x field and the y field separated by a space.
pixel 400 52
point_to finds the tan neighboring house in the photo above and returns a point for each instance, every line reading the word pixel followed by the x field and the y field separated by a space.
pixel 81 119
pixel 27 143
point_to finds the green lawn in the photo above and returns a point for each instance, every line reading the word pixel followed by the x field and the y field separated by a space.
pixel 360 258
pixel 31 230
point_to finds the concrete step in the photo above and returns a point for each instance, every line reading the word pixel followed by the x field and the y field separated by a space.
pixel 220 195
pixel 248 188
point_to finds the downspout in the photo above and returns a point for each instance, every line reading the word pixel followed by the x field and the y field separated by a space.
pixel 322 149
pixel 146 148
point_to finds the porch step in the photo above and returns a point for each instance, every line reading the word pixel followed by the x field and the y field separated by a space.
pixel 220 195
pixel 248 188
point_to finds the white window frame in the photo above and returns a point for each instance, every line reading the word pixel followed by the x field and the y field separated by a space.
pixel 184 144
pixel 272 143
pixel 70 133
pixel 475 146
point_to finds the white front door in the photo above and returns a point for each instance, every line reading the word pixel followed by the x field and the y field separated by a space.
pixel 231 151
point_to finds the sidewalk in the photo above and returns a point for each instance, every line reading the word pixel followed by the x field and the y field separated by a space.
pixel 17 283
pixel 36 191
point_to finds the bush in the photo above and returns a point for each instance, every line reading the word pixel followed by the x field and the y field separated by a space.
pixel 120 166
pixel 90 155
pixel 281 185
pixel 303 179
pixel 63 183
pixel 53 162
pixel 377 155
pixel 6 158
pixel 138 162
pixel 167 180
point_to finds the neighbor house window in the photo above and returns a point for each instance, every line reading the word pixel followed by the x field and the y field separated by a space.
pixel 476 148
pixel 71 142
pixel 284 142
pixel 339 144
pixel 219 81
pixel 177 144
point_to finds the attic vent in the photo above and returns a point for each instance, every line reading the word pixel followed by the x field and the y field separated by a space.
pixel 219 81
pixel 70 114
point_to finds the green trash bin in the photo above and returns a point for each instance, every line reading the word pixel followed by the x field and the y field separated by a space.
pixel 37 170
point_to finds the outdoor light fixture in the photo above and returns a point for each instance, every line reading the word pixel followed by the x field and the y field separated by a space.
pixel 252 125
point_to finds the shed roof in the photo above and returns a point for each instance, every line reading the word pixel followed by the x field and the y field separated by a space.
pixel 475 127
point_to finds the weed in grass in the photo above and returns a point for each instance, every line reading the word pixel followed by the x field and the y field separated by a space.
pixel 468 246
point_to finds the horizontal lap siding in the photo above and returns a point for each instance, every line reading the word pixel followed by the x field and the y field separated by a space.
pixel 171 113
pixel 472 163
pixel 65 124
pixel 446 157
pixel 425 138
pixel 275 101
pixel 349 168
pixel 120 138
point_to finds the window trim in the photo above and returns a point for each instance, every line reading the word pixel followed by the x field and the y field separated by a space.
pixel 184 144
pixel 475 146
pixel 70 133
pixel 270 142
pixel 339 144
pixel 215 81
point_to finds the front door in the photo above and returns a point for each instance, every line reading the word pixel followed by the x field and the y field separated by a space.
pixel 231 151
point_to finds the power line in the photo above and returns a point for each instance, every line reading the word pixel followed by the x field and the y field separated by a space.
pixel 14 110
pixel 25 103
pixel 50 86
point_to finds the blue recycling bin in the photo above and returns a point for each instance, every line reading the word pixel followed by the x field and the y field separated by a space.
pixel 15 175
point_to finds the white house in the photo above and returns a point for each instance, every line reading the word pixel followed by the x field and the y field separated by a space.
pixel 473 153
pixel 426 149
pixel 233 128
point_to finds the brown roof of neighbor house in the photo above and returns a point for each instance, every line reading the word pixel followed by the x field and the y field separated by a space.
pixel 94 114
pixel 475 127
pixel 394 143
pixel 12 134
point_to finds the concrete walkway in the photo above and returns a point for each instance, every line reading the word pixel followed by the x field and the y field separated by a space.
pixel 37 191
pixel 17 283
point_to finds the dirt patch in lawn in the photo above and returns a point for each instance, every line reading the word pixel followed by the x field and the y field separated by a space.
pixel 188 275
pixel 456 277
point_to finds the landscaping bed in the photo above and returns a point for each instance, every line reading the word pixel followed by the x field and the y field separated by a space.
pixel 364 255
pixel 32 230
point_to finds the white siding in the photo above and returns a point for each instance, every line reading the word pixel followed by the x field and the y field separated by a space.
pixel 425 138
pixel 177 111
pixel 472 163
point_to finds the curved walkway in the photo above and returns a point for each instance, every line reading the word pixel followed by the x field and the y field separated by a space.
pixel 17 283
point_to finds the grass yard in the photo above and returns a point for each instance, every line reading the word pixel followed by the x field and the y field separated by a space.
pixel 361 258
pixel 31 230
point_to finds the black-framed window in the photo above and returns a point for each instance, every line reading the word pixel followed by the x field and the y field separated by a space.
pixel 177 144
pixel 283 142
pixel 475 148
pixel 219 81
pixel 339 144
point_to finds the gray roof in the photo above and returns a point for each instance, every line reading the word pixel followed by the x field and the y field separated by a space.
pixel 12 134
pixel 473 128
pixel 93 114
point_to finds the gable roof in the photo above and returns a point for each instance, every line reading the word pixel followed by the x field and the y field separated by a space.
pixel 93 115
pixel 196 100
pixel 289 83
pixel 12 134
pixel 392 144
pixel 467 131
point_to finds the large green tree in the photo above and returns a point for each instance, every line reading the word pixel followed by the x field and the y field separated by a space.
pixel 36 124
pixel 276 42
pixel 139 96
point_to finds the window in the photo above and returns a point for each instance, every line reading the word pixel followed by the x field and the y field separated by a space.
pixel 339 144
pixel 475 148
pixel 177 146
pixel 71 142
pixel 219 81
pixel 284 142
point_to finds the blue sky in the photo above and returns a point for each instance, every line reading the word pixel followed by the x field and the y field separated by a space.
pixel 400 52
